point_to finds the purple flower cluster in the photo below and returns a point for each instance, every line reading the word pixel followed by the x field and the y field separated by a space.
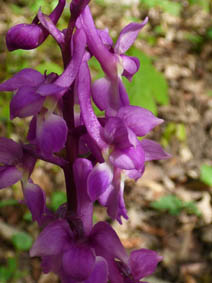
pixel 96 154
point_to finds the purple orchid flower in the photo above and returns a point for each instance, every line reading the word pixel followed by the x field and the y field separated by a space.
pixel 76 242
pixel 30 36
pixel 63 128
pixel 35 200
pixel 109 92
pixel 32 89
pixel 123 153
pixel 101 247
pixel 15 162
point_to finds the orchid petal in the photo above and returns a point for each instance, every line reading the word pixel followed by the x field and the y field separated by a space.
pixel 30 36
pixel 101 93
pixel 26 102
pixel 10 151
pixel 35 200
pixel 115 203
pixel 31 136
pixel 129 158
pixel 140 120
pixel 79 262
pixel 131 66
pixel 71 71
pixel 49 25
pixel 51 134
pixel 24 36
pixel 92 147
pixel 117 134
pixel 104 197
pixel 57 12
pixel 98 180
pixel 57 233
pixel 51 263
pixel 107 59
pixel 113 198
pixel 100 271
pixel 124 99
pixel 82 167
pixel 105 37
pixel 91 122
pixel 26 77
pixel 9 175
pixel 135 174
pixel 107 244
pixel 153 150
pixel 128 36
pixel 143 262
pixel 50 89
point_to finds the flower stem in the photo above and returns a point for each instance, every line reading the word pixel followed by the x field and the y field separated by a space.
pixel 71 150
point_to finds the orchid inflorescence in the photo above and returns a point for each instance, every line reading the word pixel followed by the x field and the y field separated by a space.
pixel 95 153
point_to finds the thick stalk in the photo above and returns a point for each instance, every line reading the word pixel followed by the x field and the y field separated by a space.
pixel 71 150
pixel 67 46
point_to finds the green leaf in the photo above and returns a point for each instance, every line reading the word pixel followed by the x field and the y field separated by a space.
pixel 57 199
pixel 10 271
pixel 206 174
pixel 191 208
pixel 169 203
pixel 22 241
pixel 148 86
pixel 6 272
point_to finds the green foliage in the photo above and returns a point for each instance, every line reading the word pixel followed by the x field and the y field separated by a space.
pixel 148 86
pixel 21 59
pixel 22 241
pixel 46 6
pixel 209 93
pixel 172 129
pixel 57 199
pixel 100 2
pixel 8 202
pixel 204 4
pixel 96 69
pixel 28 216
pixel 4 108
pixel 171 7
pixel 10 271
pixel 206 174
pixel 50 67
pixel 181 132
pixel 174 205
pixel 194 38
pixel 209 33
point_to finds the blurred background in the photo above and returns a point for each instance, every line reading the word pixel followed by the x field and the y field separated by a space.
pixel 170 207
